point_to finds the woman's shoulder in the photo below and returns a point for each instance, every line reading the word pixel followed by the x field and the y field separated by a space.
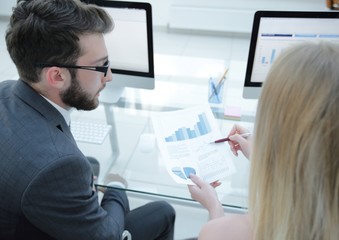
pixel 230 226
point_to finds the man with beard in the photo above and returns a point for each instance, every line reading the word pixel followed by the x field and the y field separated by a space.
pixel 46 182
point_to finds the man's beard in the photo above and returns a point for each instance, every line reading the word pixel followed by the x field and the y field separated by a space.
pixel 76 97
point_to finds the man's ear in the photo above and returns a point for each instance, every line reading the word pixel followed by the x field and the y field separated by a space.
pixel 57 77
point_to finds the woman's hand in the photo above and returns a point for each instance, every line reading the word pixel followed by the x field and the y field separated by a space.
pixel 238 142
pixel 206 195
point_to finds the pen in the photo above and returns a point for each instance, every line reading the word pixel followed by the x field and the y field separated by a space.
pixel 228 139
pixel 222 78
pixel 215 91
pixel 217 87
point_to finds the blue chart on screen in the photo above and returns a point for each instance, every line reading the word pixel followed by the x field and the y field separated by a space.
pixel 201 128
pixel 184 172
pixel 268 60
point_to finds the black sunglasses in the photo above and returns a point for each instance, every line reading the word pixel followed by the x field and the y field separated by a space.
pixel 102 69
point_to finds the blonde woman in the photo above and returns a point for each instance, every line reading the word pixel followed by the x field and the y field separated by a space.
pixel 294 177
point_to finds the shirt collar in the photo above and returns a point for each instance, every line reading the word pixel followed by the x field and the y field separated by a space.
pixel 65 113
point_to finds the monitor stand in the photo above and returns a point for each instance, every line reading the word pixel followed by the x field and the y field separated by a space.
pixel 111 95
pixel 249 108
pixel 108 97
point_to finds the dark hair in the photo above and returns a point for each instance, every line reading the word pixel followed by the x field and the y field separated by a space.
pixel 47 31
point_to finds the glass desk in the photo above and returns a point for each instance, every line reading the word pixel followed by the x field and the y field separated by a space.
pixel 145 172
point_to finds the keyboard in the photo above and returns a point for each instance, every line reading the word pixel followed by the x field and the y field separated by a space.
pixel 89 132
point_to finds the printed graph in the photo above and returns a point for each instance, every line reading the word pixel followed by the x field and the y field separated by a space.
pixel 183 173
pixel 201 128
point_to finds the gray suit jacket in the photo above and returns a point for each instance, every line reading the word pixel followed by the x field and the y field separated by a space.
pixel 45 180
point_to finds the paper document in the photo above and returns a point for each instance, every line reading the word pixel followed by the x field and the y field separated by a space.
pixel 184 139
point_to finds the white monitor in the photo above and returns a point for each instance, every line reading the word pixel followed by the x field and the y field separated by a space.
pixel 273 31
pixel 130 47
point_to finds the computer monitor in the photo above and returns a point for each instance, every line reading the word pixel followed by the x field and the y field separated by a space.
pixel 129 46
pixel 273 31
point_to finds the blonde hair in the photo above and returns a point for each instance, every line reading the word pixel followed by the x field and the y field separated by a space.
pixel 294 179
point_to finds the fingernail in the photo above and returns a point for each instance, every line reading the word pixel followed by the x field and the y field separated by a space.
pixel 191 175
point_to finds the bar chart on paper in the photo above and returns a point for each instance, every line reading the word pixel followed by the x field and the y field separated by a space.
pixel 183 139
pixel 200 128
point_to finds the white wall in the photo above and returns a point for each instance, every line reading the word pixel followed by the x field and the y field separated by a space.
pixel 229 15
pixel 210 15
pixel 6 7
pixel 160 9
pixel 220 15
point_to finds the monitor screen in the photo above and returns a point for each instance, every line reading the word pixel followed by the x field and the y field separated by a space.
pixel 273 31
pixel 129 46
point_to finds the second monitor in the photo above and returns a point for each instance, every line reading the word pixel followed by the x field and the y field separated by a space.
pixel 273 31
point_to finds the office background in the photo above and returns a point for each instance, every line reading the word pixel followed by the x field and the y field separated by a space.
pixel 212 15
pixel 188 36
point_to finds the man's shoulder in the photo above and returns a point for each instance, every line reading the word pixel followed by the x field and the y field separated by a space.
pixel 6 88
pixel 7 83
pixel 4 83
